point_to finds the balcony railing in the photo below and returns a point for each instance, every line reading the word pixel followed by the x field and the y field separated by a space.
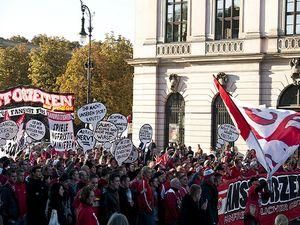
pixel 287 44
pixel 173 49
pixel 224 47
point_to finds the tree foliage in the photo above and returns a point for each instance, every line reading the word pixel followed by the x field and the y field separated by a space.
pixel 48 61
pixel 18 38
pixel 111 75
pixel 14 65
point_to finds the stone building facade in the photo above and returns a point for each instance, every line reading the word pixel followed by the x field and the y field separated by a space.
pixel 252 41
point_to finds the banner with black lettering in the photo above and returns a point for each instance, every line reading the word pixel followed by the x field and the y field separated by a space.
pixel 61 131
pixel 285 199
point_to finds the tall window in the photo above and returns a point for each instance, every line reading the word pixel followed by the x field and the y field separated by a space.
pixel 290 98
pixel 220 116
pixel 292 20
pixel 174 114
pixel 176 29
pixel 227 19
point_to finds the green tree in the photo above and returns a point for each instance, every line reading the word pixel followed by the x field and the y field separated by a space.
pixel 14 65
pixel 111 75
pixel 48 61
pixel 20 39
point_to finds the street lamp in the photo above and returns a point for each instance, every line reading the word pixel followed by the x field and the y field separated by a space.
pixel 83 35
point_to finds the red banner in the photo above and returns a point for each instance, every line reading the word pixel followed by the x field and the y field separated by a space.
pixel 285 199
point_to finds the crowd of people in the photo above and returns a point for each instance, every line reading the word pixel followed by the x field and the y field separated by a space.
pixel 176 186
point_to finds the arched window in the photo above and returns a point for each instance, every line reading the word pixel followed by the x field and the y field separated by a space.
pixel 290 98
pixel 220 116
pixel 174 114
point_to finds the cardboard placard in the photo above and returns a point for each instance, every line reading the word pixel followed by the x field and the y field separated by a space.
pixel 35 129
pixel 8 129
pixel 105 131
pixel 133 155
pixel 145 134
pixel 92 113
pixel 85 139
pixel 123 150
pixel 228 132
pixel 119 120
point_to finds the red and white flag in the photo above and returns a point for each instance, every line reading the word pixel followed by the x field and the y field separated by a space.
pixel 273 133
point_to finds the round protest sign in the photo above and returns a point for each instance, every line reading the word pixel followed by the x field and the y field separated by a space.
pixel 107 146
pixel 119 120
pixel 145 133
pixel 92 113
pixel 85 139
pixel 8 129
pixel 228 132
pixel 133 155
pixel 123 150
pixel 35 129
pixel 2 142
pixel 105 131
pixel 220 141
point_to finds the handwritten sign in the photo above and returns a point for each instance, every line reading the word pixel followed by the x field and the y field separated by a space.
pixel 133 155
pixel 92 113
pixel 145 133
pixel 123 150
pixel 35 129
pixel 119 120
pixel 105 131
pixel 61 131
pixel 85 139
pixel 228 132
pixel 8 129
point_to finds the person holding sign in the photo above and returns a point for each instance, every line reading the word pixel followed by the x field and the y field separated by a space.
pixel 257 190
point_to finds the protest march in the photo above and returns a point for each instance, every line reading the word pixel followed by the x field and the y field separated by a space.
pixel 51 175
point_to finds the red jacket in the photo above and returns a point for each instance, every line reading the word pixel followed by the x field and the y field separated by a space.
pixel 86 215
pixel 20 191
pixel 145 197
pixel 172 206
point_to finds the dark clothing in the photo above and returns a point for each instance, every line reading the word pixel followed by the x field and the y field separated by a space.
pixel 111 203
pixel 210 193
pixel 8 204
pixel 62 209
pixel 37 194
pixel 125 206
pixel 191 212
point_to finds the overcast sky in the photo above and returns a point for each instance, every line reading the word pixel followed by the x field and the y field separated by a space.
pixel 63 18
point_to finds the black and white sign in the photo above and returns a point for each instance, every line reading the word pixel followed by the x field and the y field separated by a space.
pixel 123 150
pixel 92 113
pixel 61 131
pixel 145 133
pixel 228 132
pixel 119 120
pixel 35 129
pixel 133 155
pixel 85 139
pixel 8 129
pixel 105 131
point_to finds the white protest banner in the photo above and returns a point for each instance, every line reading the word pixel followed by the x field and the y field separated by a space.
pixel 35 129
pixel 145 133
pixel 105 131
pixel 119 120
pixel 92 113
pixel 133 155
pixel 61 131
pixel 228 132
pixel 24 109
pixel 85 139
pixel 123 150
pixel 8 129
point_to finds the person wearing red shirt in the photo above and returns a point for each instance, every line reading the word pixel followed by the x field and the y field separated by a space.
pixel 145 199
pixel 85 213
pixel 173 203
pixel 256 191
pixel 235 171
pixel 20 191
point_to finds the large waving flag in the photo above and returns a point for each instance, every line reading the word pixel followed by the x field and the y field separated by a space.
pixel 273 133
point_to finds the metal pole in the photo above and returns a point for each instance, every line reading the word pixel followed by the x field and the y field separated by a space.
pixel 89 63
